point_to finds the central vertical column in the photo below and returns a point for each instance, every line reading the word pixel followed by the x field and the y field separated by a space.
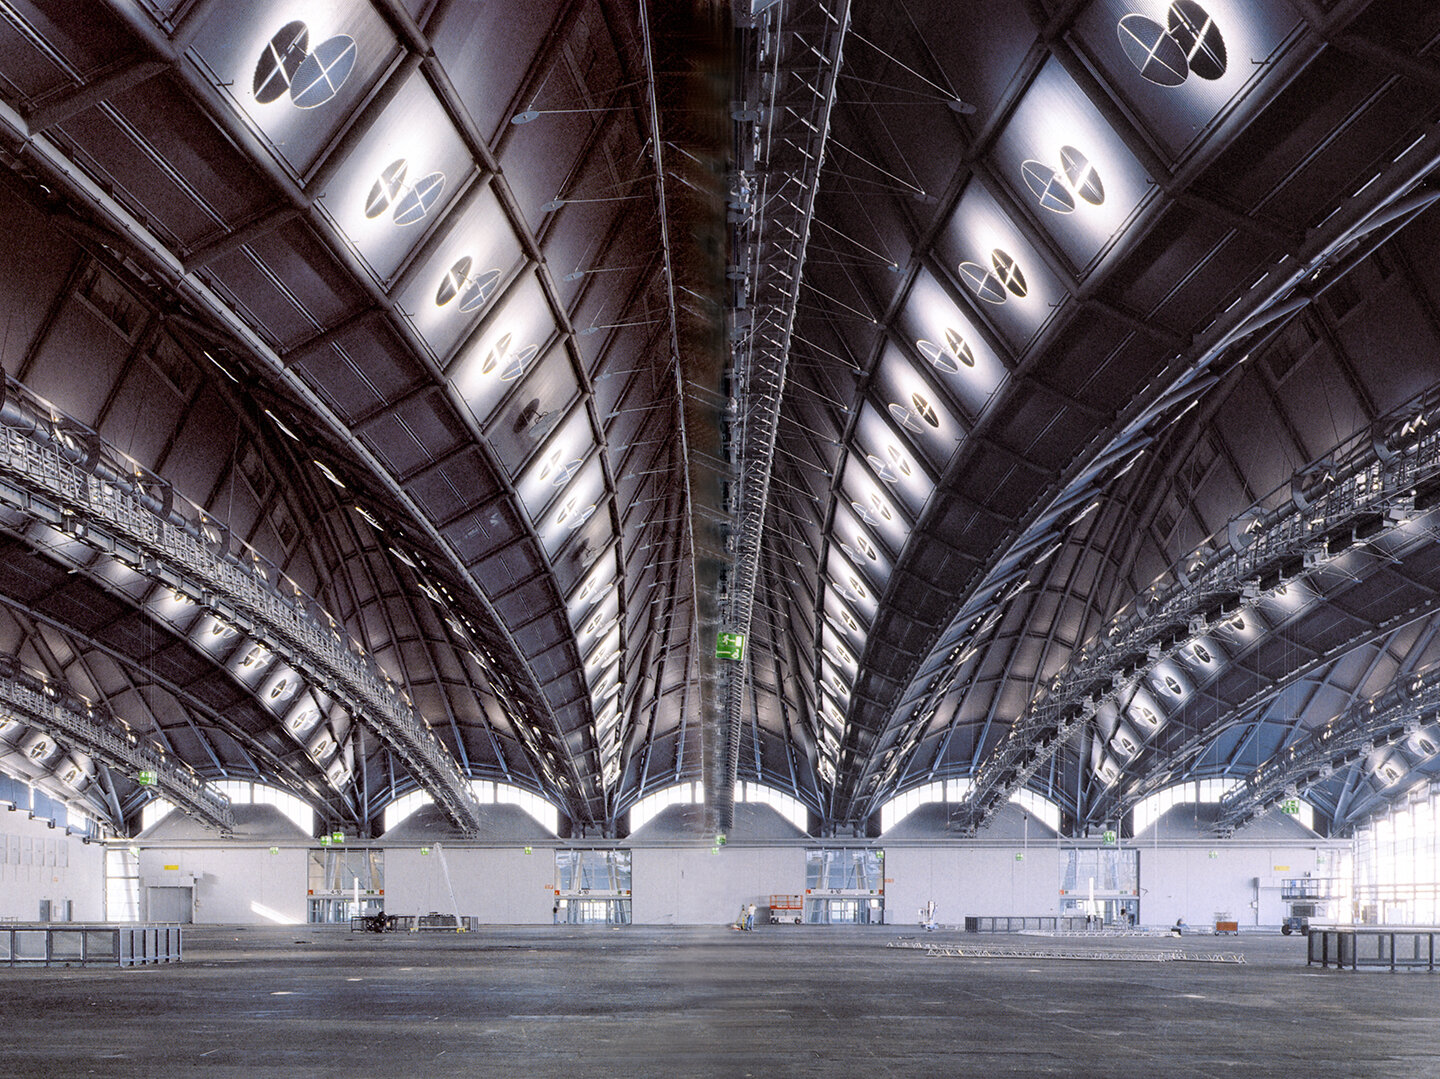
pixel 689 62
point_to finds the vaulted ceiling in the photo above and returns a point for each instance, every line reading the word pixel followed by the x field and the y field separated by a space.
pixel 1042 390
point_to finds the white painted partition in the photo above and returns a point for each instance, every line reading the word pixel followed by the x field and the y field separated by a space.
pixel 694 886
pixel 1194 881
pixel 40 863
pixel 233 885
pixel 1243 880
pixel 967 880
pixel 496 885
pixel 681 884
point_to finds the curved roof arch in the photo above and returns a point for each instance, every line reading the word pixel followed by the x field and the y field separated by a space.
pixel 543 344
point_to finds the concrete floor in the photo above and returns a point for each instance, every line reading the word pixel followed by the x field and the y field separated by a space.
pixel 782 1001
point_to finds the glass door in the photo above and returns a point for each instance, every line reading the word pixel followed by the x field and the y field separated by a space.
pixel 592 887
pixel 1108 913
pixel 336 874
pixel 830 911
pixel 844 886
pixel 572 911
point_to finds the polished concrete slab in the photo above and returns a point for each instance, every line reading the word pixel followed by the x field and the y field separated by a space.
pixel 782 1001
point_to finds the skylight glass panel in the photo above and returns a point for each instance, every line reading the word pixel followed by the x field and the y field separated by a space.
pixel 838 651
pixel 598 585
pixel 1170 684
pixel 873 505
pixel 598 621
pixel 461 276
pixel 572 508
pixel 1005 280
pixel 399 179
pixel 1288 599
pixel 250 661
pixel 893 460
pixel 297 71
pixel 1180 65
pixel 1145 713
pixel 1204 658
pixel 171 606
pixel 282 685
pixel 944 344
pixel 213 635
pixel 605 650
pixel 1126 743
pixel 1060 157
pixel 836 684
pixel 859 594
pixel 845 621
pixel 857 542
pixel 503 349
pixel 558 461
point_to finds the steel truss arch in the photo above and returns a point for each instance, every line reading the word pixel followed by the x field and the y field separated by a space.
pixel 1369 488
pixel 102 735
pixel 1382 721
pixel 782 133
pixel 1171 766
pixel 1396 196
pixel 114 506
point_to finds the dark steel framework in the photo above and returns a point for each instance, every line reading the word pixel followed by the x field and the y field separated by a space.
pixel 988 365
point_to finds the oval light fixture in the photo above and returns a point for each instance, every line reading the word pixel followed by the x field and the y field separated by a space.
pixel 387 188
pixel 279 61
pixel 323 72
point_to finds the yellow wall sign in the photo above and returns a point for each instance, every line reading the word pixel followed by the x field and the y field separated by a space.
pixel 173 868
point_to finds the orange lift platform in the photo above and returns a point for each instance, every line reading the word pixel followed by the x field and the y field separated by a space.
pixel 786 908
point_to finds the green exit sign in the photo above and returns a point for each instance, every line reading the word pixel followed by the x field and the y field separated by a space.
pixel 337 837
pixel 146 778
pixel 730 646
pixel 1109 837
pixel 1291 806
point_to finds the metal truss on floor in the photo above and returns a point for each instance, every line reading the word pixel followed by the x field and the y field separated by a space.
pixel 1094 955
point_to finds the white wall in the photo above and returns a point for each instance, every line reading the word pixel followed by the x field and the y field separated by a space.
pixel 1176 881
pixel 1185 882
pixel 501 886
pixel 968 881
pixel 41 862
pixel 246 884
pixel 234 885
pixel 693 886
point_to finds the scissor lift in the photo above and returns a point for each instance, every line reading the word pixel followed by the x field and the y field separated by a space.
pixel 1307 899
pixel 786 908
